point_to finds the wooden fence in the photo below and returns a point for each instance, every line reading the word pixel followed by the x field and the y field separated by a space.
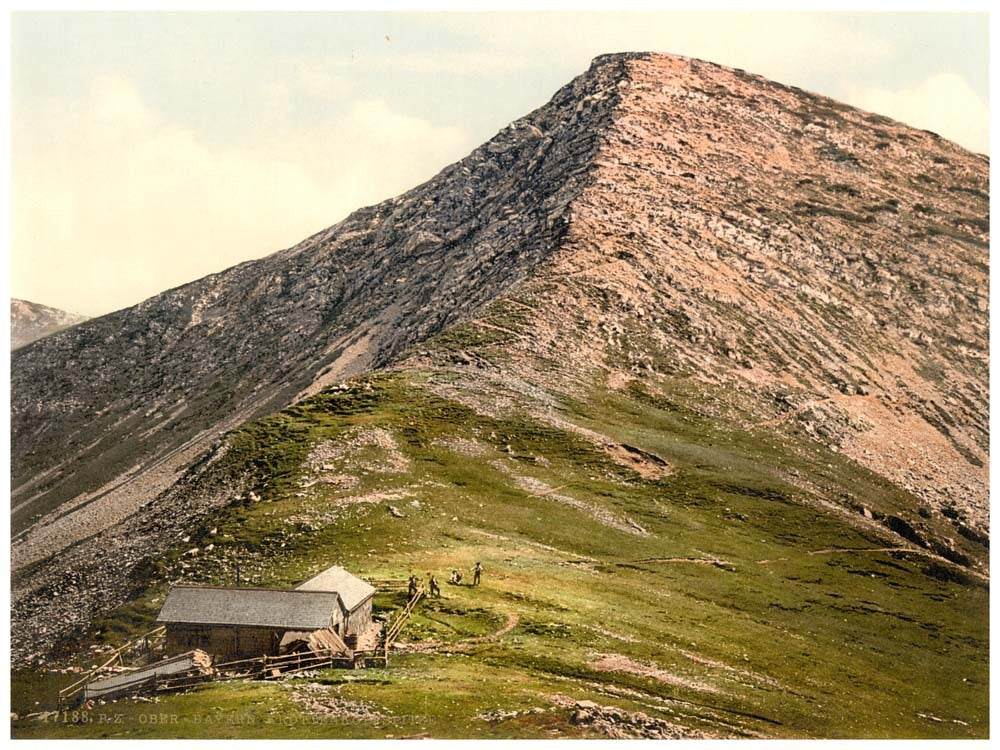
pixel 148 641
pixel 260 668
pixel 396 627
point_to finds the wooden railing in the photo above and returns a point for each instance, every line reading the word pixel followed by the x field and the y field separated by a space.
pixel 261 667
pixel 70 692
pixel 396 627
pixel 264 666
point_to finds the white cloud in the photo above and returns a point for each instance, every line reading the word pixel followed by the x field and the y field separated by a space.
pixel 944 103
pixel 827 53
pixel 111 204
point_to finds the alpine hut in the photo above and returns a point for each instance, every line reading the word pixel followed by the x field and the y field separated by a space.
pixel 243 622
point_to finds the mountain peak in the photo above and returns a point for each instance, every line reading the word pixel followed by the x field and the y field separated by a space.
pixel 660 214
pixel 749 232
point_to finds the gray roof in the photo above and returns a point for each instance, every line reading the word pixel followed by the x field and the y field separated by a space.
pixel 353 591
pixel 216 605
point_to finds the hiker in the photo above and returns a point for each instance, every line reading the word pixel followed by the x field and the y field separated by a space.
pixel 435 589
pixel 412 590
pixel 477 573
pixel 456 578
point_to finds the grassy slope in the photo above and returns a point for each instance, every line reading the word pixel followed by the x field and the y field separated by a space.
pixel 768 640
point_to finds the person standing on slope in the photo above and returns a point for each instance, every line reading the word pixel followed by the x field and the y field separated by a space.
pixel 477 573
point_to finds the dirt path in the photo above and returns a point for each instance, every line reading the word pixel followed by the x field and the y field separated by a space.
pixel 549 491
pixel 784 417
pixel 696 560
pixel 512 619
pixel 425 647
pixel 620 663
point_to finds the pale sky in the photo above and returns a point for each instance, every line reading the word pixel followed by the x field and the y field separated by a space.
pixel 150 149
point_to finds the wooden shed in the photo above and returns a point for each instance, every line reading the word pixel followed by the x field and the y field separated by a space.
pixel 243 622
pixel 233 623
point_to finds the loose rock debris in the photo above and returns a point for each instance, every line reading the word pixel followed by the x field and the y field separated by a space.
pixel 617 723
pixel 619 663
pixel 320 699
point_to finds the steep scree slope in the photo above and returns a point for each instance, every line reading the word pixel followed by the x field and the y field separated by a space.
pixel 829 263
pixel 105 415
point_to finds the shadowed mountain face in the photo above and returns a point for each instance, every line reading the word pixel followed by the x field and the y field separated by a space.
pixel 679 316
pixel 30 321
pixel 125 395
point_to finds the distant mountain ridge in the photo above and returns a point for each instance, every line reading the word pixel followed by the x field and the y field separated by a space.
pixel 30 321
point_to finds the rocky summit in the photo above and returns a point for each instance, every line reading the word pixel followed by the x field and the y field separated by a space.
pixel 696 363
pixel 30 321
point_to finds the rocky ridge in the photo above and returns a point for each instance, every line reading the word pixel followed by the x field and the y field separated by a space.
pixel 831 264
